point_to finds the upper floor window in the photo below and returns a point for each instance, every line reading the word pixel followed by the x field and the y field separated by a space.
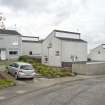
pixel 57 53
pixel 99 52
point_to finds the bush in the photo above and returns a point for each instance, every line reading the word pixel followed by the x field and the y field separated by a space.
pixel 29 59
pixel 51 72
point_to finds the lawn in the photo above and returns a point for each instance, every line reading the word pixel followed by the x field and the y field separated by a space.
pixel 6 80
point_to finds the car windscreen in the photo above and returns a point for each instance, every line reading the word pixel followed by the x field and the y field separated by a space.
pixel 26 67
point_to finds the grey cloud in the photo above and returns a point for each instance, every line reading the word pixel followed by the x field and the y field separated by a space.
pixel 37 5
pixel 60 8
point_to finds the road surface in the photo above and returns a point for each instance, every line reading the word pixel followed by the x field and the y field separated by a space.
pixel 83 92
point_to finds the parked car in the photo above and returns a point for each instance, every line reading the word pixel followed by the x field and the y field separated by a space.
pixel 21 70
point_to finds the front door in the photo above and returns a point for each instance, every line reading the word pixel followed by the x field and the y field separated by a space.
pixel 3 54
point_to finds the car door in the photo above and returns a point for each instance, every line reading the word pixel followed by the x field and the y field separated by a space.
pixel 15 68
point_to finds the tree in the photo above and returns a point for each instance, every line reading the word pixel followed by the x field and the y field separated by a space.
pixel 2 19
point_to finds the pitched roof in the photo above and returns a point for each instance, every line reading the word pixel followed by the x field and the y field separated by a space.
pixel 10 32
pixel 71 39
pixel 67 32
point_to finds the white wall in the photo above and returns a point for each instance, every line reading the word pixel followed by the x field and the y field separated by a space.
pixel 89 69
pixel 73 48
pixel 66 49
pixel 97 54
pixel 11 43
pixel 35 47
pixel 49 51
pixel 67 35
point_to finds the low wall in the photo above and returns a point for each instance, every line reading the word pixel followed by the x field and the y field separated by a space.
pixel 89 68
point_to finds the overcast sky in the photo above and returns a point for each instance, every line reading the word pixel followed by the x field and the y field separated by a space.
pixel 40 17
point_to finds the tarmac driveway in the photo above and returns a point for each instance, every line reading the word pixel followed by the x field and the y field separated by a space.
pixel 66 91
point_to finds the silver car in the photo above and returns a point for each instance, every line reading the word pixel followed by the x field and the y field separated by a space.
pixel 21 70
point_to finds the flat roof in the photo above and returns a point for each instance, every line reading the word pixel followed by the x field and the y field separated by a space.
pixel 30 37
pixel 32 41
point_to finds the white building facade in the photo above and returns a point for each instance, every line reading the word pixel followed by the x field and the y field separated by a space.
pixel 10 44
pixel 98 53
pixel 62 48
pixel 32 48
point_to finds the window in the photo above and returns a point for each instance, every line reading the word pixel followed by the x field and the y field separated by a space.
pixel 26 67
pixel 76 57
pixel 99 52
pixel 30 53
pixel 14 65
pixel 57 53
pixel 13 52
pixel 46 59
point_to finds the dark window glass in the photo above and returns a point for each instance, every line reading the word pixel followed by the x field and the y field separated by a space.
pixel 57 53
pixel 13 52
pixel 26 67
pixel 99 52
pixel 15 65
pixel 30 52
pixel 46 59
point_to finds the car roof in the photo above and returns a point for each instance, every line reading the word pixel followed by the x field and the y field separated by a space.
pixel 22 63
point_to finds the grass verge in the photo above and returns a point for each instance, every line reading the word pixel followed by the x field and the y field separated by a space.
pixel 6 83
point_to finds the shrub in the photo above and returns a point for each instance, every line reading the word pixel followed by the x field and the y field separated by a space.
pixel 29 59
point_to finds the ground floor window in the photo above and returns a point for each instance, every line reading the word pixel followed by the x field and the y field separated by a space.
pixel 46 59
pixel 30 53
pixel 13 52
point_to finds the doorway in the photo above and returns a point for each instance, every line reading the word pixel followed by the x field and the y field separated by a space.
pixel 2 54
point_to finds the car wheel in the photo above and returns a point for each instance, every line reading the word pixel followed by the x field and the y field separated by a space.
pixel 31 78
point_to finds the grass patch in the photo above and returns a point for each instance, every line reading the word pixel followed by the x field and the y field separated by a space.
pixel 47 71
pixel 6 83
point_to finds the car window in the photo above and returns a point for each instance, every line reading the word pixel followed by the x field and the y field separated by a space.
pixel 14 65
pixel 26 67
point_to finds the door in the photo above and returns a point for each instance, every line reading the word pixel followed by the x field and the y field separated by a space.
pixel 3 54
pixel 50 57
